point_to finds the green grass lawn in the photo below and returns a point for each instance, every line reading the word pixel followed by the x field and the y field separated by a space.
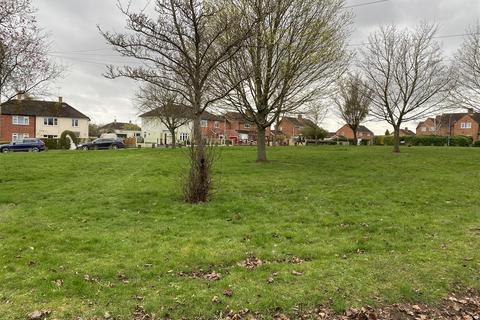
pixel 83 233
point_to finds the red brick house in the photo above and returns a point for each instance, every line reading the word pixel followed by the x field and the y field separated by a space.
pixel 241 131
pixel 362 133
pixel 27 118
pixel 452 124
pixel 213 127
pixel 292 127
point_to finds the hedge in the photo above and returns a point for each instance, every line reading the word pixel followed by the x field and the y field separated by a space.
pixel 51 144
pixel 320 142
pixel 455 141
pixel 477 144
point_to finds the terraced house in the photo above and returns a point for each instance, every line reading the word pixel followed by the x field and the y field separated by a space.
pixel 452 124
pixel 26 118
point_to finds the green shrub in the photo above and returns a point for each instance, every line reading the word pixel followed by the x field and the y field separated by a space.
pixel 365 142
pixel 425 140
pixel 383 140
pixel 64 143
pixel 461 141
pixel 51 144
pixel 314 132
pixel 477 144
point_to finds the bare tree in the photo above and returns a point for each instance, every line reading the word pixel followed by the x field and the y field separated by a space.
pixel 296 52
pixel 406 72
pixel 316 112
pixel 24 63
pixel 467 68
pixel 353 101
pixel 179 50
pixel 165 106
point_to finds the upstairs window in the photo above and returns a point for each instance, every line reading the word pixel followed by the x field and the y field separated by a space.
pixel 204 123
pixel 75 123
pixel 247 125
pixel 216 124
pixel 20 120
pixel 466 125
pixel 50 121
pixel 424 129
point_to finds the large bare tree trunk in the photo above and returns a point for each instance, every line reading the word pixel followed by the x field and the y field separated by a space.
pixel 396 140
pixel 261 145
pixel 174 139
pixel 198 184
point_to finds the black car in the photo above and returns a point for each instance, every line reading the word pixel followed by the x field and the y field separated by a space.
pixel 25 144
pixel 102 143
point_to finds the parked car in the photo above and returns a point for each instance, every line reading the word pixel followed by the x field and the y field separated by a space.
pixel 25 144
pixel 102 143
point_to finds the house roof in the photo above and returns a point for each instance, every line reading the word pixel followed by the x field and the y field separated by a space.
pixel 237 116
pixel 447 119
pixel 300 122
pixel 120 126
pixel 210 116
pixel 186 110
pixel 38 108
pixel 364 129
pixel 407 132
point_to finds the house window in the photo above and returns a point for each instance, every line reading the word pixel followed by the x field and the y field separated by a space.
pixel 424 129
pixel 75 123
pixel 19 136
pixel 20 120
pixel 216 124
pixel 184 136
pixel 50 121
pixel 49 136
pixel 204 123
pixel 466 125
pixel 247 125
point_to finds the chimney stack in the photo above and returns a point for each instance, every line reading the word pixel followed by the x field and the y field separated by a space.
pixel 300 117
pixel 406 128
pixel 60 100
pixel 470 110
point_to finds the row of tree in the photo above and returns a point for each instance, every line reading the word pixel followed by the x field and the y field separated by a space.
pixel 403 76
pixel 262 58
pixel 265 58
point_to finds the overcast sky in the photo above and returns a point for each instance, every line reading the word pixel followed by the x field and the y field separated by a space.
pixel 77 44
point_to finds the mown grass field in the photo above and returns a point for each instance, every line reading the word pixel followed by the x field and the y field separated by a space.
pixel 84 233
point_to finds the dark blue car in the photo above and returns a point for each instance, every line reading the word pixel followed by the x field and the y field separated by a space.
pixel 25 144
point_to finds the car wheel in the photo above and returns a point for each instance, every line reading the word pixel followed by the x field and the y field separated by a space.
pixel 85 148
pixel 35 149
pixel 5 150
